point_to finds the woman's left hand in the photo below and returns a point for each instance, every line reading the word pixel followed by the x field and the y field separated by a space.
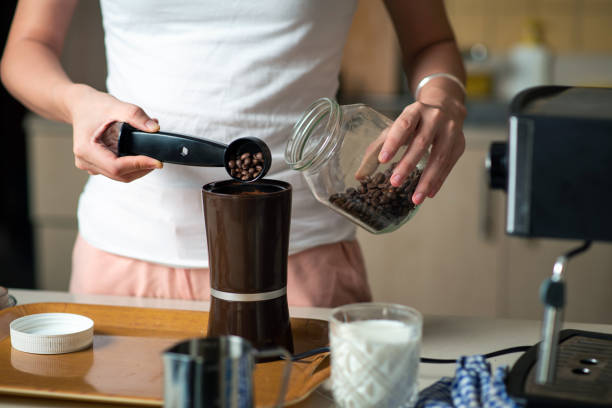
pixel 436 122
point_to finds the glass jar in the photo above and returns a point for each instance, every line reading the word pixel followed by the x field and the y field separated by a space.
pixel 336 147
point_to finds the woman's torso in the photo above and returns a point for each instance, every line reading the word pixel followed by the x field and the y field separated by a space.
pixel 217 70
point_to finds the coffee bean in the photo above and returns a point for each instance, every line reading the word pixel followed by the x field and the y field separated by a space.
pixel 376 202
pixel 379 178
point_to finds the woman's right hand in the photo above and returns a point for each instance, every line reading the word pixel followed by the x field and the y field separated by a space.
pixel 30 69
pixel 92 113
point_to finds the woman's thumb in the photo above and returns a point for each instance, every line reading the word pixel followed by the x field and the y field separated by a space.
pixel 140 120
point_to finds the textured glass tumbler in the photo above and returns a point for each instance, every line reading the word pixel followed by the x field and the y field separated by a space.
pixel 375 351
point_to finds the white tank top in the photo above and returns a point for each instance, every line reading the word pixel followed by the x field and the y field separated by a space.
pixel 217 70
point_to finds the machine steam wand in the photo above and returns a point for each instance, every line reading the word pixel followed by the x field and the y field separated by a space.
pixel 552 294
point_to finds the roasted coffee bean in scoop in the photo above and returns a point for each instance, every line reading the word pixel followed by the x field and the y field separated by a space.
pixel 245 159
pixel 247 166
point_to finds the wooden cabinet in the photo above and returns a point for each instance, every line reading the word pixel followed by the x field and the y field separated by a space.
pixel 55 185
pixel 589 279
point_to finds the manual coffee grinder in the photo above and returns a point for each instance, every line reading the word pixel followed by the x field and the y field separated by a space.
pixel 247 228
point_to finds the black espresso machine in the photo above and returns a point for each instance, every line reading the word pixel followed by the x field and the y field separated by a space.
pixel 557 171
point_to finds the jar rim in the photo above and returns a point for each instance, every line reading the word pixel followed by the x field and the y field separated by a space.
pixel 298 154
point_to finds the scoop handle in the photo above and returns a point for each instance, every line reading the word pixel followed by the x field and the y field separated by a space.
pixel 170 147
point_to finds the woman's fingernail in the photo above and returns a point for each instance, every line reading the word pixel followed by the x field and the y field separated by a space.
pixel 383 156
pixel 396 179
pixel 418 198
pixel 151 125
pixel 159 165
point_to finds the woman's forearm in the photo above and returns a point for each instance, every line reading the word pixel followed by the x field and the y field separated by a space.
pixel 34 76
pixel 439 57
pixel 30 68
pixel 428 46
pixel 433 124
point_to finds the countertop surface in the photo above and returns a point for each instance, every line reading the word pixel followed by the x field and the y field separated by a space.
pixel 444 337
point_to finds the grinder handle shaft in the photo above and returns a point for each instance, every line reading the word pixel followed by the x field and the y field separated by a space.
pixel 170 147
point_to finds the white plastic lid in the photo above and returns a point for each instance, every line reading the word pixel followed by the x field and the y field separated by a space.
pixel 51 333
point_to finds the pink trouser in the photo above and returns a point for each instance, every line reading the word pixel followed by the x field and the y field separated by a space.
pixel 326 276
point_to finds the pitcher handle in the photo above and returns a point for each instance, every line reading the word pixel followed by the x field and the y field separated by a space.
pixel 12 300
pixel 284 354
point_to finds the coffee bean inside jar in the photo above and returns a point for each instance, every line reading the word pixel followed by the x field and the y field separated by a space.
pixel 246 166
pixel 376 202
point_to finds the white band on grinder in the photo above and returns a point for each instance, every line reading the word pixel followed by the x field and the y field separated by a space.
pixel 248 297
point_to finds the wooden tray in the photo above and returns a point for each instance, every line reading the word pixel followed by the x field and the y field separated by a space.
pixel 125 366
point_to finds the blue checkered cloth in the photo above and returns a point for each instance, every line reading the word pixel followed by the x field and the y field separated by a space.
pixel 472 387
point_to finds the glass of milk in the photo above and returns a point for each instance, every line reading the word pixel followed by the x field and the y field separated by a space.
pixel 375 350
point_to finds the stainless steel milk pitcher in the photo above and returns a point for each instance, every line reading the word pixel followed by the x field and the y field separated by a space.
pixel 216 372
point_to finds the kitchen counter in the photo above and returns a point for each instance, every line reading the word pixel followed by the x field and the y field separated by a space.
pixel 443 337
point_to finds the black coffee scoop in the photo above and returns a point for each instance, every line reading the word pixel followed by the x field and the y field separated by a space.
pixel 245 159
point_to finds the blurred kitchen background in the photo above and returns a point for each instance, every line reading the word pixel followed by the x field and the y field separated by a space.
pixel 453 258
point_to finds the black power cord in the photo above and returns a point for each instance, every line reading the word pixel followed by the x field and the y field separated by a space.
pixel 578 250
pixel 309 353
pixel 427 360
